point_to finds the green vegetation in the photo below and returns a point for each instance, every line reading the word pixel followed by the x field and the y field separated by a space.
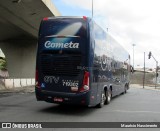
pixel 3 63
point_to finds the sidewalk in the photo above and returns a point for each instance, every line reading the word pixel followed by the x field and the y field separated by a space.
pixel 26 89
pixel 147 87
pixel 25 85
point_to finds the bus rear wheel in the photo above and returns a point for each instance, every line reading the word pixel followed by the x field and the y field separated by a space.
pixel 103 100
pixel 125 89
pixel 108 97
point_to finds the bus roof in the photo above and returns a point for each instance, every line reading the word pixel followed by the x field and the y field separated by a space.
pixel 49 18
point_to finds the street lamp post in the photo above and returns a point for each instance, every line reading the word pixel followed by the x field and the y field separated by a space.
pixel 133 54
pixel 92 8
pixel 156 72
pixel 144 71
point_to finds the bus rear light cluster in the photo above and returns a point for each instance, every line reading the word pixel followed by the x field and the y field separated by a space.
pixel 36 80
pixel 85 86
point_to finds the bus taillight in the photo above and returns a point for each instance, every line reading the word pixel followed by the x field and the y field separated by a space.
pixel 85 86
pixel 36 80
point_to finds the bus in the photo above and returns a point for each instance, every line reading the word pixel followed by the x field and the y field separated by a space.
pixel 79 63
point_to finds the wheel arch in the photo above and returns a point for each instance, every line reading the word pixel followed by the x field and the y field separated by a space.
pixel 106 88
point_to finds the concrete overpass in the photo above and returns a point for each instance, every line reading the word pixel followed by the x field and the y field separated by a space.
pixel 19 23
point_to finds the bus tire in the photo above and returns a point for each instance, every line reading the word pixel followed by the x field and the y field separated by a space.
pixel 103 100
pixel 125 89
pixel 108 97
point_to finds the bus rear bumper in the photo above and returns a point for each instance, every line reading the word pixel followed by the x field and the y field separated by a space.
pixel 62 97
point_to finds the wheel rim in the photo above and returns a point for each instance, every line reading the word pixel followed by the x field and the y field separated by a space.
pixel 103 99
pixel 109 96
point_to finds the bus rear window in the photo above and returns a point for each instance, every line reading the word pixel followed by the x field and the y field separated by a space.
pixel 63 27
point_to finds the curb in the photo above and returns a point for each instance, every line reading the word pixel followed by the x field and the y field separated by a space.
pixel 27 89
pixel 145 87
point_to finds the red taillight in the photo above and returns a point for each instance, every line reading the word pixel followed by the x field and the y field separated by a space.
pixel 46 18
pixel 36 79
pixel 86 78
pixel 85 86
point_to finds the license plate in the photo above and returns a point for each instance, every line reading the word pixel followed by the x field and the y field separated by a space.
pixel 58 99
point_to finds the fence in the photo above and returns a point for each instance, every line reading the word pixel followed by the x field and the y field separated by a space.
pixel 18 82
pixel 137 78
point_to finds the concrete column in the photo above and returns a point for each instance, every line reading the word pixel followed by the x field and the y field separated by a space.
pixel 20 56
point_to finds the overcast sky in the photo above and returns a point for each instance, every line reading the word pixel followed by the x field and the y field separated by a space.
pixel 129 21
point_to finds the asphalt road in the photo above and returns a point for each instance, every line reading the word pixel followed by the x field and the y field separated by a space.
pixel 138 105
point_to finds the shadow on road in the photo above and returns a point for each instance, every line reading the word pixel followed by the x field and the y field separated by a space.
pixel 74 110
pixel 70 110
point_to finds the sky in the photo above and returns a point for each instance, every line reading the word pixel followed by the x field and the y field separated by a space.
pixel 128 21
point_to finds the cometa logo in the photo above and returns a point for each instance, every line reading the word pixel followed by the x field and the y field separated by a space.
pixel 49 44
